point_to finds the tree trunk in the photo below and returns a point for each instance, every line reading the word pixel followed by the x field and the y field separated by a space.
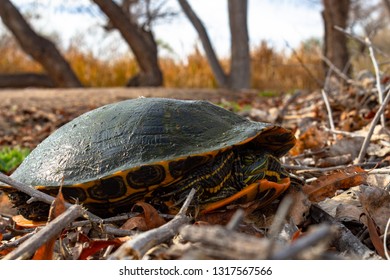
pixel 240 61
pixel 216 67
pixel 40 48
pixel 386 3
pixel 23 80
pixel 335 43
pixel 140 41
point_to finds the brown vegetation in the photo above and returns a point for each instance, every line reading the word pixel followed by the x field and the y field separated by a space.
pixel 272 70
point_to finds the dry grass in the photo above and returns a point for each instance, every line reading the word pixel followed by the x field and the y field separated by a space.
pixel 271 71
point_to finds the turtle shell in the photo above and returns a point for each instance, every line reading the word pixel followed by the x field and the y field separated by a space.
pixel 135 132
pixel 138 133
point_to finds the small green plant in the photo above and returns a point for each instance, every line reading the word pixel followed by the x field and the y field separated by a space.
pixel 12 157
pixel 268 94
pixel 234 106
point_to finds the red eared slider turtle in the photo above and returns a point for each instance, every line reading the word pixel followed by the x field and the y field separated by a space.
pixel 156 150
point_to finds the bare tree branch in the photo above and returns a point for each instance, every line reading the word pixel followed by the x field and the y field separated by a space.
pixel 216 67
pixel 40 48
pixel 141 42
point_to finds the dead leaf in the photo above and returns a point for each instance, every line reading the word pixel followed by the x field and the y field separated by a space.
pixel 378 180
pixel 6 251
pixel 297 234
pixel 376 202
pixel 374 235
pixel 135 222
pixel 216 218
pixel 45 252
pixel 347 213
pixel 299 211
pixel 326 186
pixel 58 206
pixel 313 138
pixel 95 246
pixel 23 222
pixel 147 220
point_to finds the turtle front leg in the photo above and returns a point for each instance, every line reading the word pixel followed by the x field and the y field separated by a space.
pixel 264 190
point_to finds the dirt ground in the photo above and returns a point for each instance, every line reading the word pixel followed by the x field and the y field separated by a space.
pixel 27 116
pixel 94 97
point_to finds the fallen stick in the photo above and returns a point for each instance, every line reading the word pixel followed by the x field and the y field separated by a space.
pixel 344 240
pixel 374 122
pixel 140 244
pixel 322 234
pixel 222 243
pixel 17 242
pixel 278 223
pixel 38 195
pixel 50 231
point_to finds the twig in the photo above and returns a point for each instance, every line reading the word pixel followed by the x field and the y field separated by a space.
pixel 328 108
pixel 360 40
pixel 235 219
pixel 345 133
pixel 377 76
pixel 308 169
pixel 140 244
pixel 385 170
pixel 17 242
pixel 318 82
pixel 338 72
pixel 48 232
pixel 221 243
pixel 38 195
pixel 375 120
pixel 344 240
pixel 321 234
pixel 278 222
pixel 118 231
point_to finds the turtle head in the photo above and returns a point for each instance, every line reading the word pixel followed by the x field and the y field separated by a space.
pixel 257 165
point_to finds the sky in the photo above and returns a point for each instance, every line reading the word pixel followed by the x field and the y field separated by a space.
pixel 278 22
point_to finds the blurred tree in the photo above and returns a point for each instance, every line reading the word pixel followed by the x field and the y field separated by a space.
pixel 239 76
pixel 138 35
pixel 59 72
pixel 369 16
pixel 386 3
pixel 335 13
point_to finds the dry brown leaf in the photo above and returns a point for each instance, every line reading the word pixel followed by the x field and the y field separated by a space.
pixel 94 246
pixel 46 251
pixel 374 235
pixel 6 207
pixel 326 186
pixel 348 213
pixel 313 138
pixel 300 209
pixel 58 206
pixel 23 222
pixel 216 218
pixel 147 220
pixel 135 222
pixel 376 202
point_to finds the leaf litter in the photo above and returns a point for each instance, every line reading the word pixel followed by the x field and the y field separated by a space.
pixel 333 196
